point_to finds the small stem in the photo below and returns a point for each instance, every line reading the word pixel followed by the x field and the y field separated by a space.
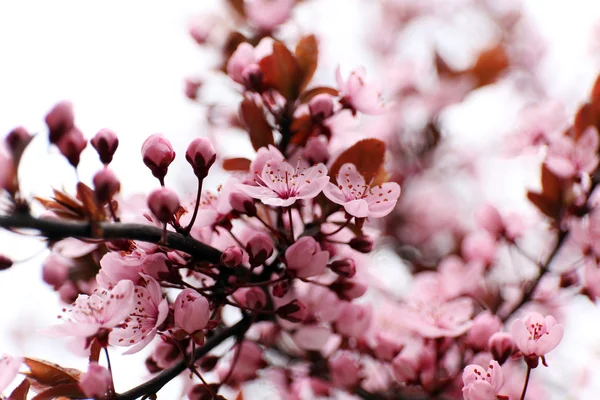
pixel 526 383
pixel 234 362
pixel 188 228
pixel 112 211
pixel 112 383
pixel 345 224
pixel 291 223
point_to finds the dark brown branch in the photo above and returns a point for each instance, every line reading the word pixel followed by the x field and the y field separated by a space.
pixel 56 229
pixel 155 384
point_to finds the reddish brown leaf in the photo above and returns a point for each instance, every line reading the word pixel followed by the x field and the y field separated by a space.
pixel 551 185
pixel 301 129
pixel 309 94
pixel 368 156
pixel 238 7
pixel 233 41
pixel 240 396
pixel 595 95
pixel 546 206
pixel 281 72
pixel 490 65
pixel 69 390
pixel 442 68
pixel 44 373
pixel 236 164
pixel 95 349
pixel 307 55
pixel 21 391
pixel 583 119
pixel 257 126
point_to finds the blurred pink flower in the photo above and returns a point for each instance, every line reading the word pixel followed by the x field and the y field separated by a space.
pixel 150 311
pixel 480 384
pixel 158 154
pixel 535 335
pixel 96 381
pixel 358 198
pixel 355 320
pixel 6 169
pixel 359 95
pixel 9 368
pixel 245 59
pixel 191 311
pixel 281 184
pixel 268 14
pixel 435 319
pixel 305 258
pixel 484 326
pixel 568 158
pixel 344 369
pixel 249 361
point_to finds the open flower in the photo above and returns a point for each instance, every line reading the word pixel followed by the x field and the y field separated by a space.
pixel 150 311
pixel 280 184
pixel 568 158
pixel 358 198
pixel 535 335
pixel 358 95
pixel 9 368
pixel 480 384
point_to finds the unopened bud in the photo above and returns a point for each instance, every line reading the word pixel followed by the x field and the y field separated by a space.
pixel 321 107
pixel 163 203
pixel 60 120
pixel 347 289
pixel 191 88
pixel 294 311
pixel 345 267
pixel 158 154
pixel 71 144
pixel 105 142
pixel 281 288
pixel 259 247
pixel 106 185
pixel 232 256
pixel 502 346
pixel 5 262
pixel 569 278
pixel 316 151
pixel 252 77
pixel 242 203
pixel 362 244
pixel 201 155
pixel 17 140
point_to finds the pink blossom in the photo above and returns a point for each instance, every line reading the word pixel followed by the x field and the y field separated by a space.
pixel 232 256
pixel 480 384
pixel 358 198
pixel 106 185
pixel 150 311
pixel 259 247
pixel 191 311
pixel 117 266
pixel 71 144
pixel 156 265
pixel 103 311
pixel 501 345
pixel 484 326
pixel 354 320
pixel 311 337
pixel 60 120
pixel 166 353
pixel 201 155
pixel 316 150
pixel 294 311
pixel 263 155
pixel 344 369
pixel 268 14
pixel 9 368
pixel 253 298
pixel 321 107
pixel 105 143
pixel 242 203
pixel 435 319
pixel 55 270
pixel 6 169
pixel 249 361
pixel 158 154
pixel 568 158
pixel 163 203
pixel 245 58
pixel 417 361
pixel 535 335
pixel 280 184
pixel 479 247
pixel 96 382
pixel 305 258
pixel 321 303
pixel 359 95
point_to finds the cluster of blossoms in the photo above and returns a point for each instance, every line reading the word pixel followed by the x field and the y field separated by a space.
pixel 274 265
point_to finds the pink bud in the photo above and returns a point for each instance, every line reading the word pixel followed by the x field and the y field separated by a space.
pixel 501 345
pixel 259 247
pixel 5 262
pixel 200 32
pixel 362 244
pixel 55 270
pixel 294 311
pixel 355 320
pixel 71 144
pixel 96 382
pixel 191 88
pixel 344 370
pixel 316 151
pixel 166 353
pixel 232 256
pixel 490 219
pixel 106 185
pixel 60 120
pixel 253 298
pixel 163 203
pixel 479 247
pixel 242 203
pixel 17 140
pixel 321 107
pixel 345 268
pixel 156 265
pixel 484 326
pixel 191 311
pixel 239 60
pixel 201 155
pixel 305 258
pixel 105 142
pixel 348 289
pixel 158 154
pixel 252 77
pixel 281 288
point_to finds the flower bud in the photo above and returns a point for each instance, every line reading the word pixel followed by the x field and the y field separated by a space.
pixel 484 326
pixel 191 311
pixel 60 120
pixel 259 247
pixel 362 244
pixel 5 262
pixel 345 268
pixel 163 203
pixel 502 346
pixel 242 203
pixel 348 289
pixel 315 151
pixel 200 31
pixel 252 77
pixel 239 60
pixel 321 107
pixel 158 154
pixel 71 144
pixel 253 298
pixel 305 258
pixel 55 270
pixel 105 142
pixel 106 185
pixel 201 155
pixel 281 288
pixel 96 382
pixel 344 370
pixel 156 265
pixel 232 256
pixel 294 311
pixel 17 140
pixel 569 278
pixel 191 88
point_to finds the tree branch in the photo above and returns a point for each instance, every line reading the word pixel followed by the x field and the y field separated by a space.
pixel 155 384
pixel 56 229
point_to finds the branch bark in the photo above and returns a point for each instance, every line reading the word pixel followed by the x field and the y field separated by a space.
pixel 56 229
pixel 155 384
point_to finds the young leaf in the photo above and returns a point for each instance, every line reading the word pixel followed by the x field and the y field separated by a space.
pixel 21 391
pixel 281 72
pixel 259 129
pixel 490 64
pixel 307 54
pixel 368 156
pixel 309 94
pixel 68 390
pixel 236 164
pixel 45 373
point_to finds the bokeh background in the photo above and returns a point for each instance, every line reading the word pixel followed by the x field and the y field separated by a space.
pixel 123 65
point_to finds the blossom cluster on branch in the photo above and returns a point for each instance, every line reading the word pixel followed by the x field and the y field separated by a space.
pixel 269 277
